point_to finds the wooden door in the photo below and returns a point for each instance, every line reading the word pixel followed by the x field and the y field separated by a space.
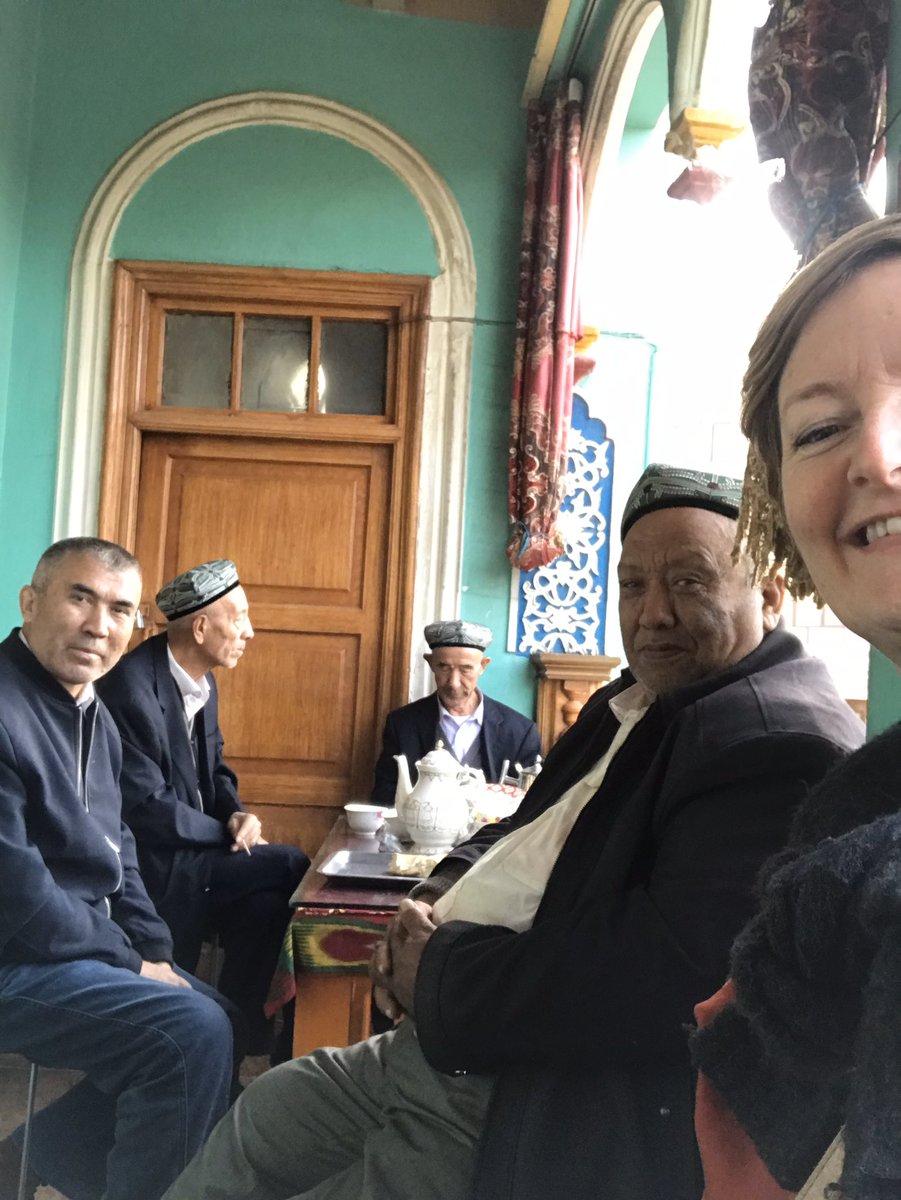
pixel 316 508
pixel 306 524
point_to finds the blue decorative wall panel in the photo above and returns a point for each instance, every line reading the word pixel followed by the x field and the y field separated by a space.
pixel 562 607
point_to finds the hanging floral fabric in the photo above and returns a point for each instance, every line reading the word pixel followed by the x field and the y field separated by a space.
pixel 816 91
pixel 547 328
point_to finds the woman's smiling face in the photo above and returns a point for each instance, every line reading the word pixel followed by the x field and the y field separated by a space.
pixel 840 424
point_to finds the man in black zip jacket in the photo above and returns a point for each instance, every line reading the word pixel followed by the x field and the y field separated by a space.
pixel 86 977
pixel 548 971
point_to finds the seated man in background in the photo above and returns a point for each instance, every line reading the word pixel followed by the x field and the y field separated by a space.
pixel 86 978
pixel 477 730
pixel 203 857
pixel 545 993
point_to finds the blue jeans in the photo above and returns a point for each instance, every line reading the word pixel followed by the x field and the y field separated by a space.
pixel 157 1061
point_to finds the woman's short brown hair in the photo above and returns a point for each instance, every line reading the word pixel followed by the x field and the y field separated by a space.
pixel 762 529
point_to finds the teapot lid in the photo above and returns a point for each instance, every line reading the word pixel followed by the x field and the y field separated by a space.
pixel 438 761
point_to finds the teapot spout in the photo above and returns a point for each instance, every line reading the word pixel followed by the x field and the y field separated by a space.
pixel 404 786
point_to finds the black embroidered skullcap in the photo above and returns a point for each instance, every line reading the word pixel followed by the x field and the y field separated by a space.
pixel 457 633
pixel 196 588
pixel 662 486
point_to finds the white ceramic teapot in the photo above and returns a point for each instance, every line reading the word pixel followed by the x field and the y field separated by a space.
pixel 436 812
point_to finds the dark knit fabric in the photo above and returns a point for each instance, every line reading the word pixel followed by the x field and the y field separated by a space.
pixel 814 1038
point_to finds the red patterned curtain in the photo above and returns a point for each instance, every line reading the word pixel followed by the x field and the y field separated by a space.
pixel 816 89
pixel 547 328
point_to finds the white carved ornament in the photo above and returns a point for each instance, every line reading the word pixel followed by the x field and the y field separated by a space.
pixel 562 601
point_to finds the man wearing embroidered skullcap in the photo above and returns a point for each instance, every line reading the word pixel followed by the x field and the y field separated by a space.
pixel 548 967
pixel 478 731
pixel 203 857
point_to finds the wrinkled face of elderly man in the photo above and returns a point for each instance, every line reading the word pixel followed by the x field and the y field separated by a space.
pixel 686 610
pixel 457 670
pixel 223 629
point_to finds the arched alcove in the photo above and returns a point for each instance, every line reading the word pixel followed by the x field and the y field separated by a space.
pixel 448 361
pixel 611 92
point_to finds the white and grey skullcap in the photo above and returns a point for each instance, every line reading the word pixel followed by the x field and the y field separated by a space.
pixel 662 486
pixel 457 633
pixel 196 588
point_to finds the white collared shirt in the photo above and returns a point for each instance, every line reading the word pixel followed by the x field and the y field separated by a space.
pixel 461 732
pixel 194 692
pixel 507 883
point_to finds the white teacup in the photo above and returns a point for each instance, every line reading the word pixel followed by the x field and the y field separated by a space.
pixel 364 818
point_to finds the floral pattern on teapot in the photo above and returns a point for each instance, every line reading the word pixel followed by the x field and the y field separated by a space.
pixel 437 811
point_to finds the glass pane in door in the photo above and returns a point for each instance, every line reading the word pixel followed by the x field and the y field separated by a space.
pixel 276 364
pixel 353 359
pixel 197 360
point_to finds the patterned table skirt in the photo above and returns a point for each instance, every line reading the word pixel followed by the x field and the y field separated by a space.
pixel 330 940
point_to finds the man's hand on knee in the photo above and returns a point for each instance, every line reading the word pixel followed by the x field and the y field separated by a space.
pixel 163 973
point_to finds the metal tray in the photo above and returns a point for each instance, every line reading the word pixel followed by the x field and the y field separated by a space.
pixel 364 866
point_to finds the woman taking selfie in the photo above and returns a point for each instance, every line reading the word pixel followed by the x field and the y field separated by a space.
pixel 806 1037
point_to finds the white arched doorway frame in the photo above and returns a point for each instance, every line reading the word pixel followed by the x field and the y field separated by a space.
pixel 609 96
pixel 439 539
pixel 610 91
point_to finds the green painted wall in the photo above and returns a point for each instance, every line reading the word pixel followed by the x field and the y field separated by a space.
pixel 591 48
pixel 884 703
pixel 589 53
pixel 109 70
pixel 18 42
pixel 272 196
pixel 582 43
pixel 651 94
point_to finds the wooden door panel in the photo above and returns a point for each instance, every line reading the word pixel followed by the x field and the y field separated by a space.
pixel 305 522
pixel 300 532
pixel 304 715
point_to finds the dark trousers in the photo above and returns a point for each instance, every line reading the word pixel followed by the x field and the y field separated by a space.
pixel 246 905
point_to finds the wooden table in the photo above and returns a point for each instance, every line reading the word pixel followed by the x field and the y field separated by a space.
pixel 336 925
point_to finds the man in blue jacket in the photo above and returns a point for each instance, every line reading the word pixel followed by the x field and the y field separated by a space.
pixel 86 976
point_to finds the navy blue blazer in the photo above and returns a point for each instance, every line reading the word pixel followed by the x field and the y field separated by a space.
pixel 413 731
pixel 171 823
